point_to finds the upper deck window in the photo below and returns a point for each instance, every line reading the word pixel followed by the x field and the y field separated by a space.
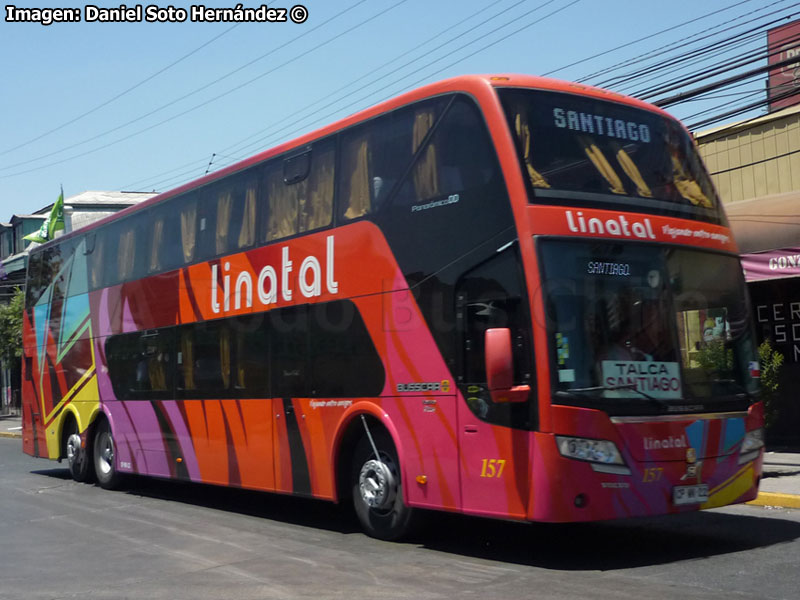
pixel 583 151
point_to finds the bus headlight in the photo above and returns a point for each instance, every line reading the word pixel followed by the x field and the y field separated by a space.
pixel 603 455
pixel 751 445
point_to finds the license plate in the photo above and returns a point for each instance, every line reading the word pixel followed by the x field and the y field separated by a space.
pixel 690 494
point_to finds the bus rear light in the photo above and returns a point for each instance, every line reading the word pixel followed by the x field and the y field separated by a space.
pixel 602 454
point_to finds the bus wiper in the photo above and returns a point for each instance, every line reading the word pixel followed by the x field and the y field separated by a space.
pixel 624 386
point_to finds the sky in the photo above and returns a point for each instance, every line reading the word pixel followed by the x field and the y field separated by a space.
pixel 147 106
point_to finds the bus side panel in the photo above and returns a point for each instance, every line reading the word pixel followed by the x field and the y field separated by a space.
pixel 425 415
pixel 59 369
pixel 32 424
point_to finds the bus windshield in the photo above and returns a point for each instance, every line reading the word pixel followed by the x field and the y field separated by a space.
pixel 643 324
pixel 577 149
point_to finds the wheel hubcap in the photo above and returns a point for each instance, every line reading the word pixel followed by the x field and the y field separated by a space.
pixel 106 454
pixel 74 448
pixel 377 484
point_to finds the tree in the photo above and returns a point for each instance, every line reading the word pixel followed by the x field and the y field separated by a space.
pixel 11 327
pixel 770 362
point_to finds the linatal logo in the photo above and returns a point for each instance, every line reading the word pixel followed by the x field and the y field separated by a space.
pixel 271 280
pixel 616 227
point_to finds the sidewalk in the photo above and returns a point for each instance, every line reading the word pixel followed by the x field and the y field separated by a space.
pixel 10 426
pixel 780 484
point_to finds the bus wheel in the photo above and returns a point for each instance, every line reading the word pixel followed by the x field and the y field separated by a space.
pixel 79 458
pixel 104 463
pixel 378 490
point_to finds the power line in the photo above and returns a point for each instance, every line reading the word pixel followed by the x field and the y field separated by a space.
pixel 188 95
pixel 429 75
pixel 198 106
pixel 272 128
pixel 122 93
pixel 642 39
pixel 381 78
pixel 359 101
pixel 703 34
pixel 662 68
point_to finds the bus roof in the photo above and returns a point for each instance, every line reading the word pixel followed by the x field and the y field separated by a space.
pixel 477 85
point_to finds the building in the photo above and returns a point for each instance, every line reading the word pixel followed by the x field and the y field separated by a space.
pixel 79 211
pixel 755 165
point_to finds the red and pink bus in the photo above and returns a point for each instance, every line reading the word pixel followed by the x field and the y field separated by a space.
pixel 504 296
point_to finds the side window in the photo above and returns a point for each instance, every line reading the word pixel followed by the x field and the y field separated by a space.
pixel 299 192
pixel 342 358
pixel 164 243
pixel 110 236
pixel 53 267
pixel 130 262
pixel 288 332
pixel 36 283
pixel 228 215
pixel 204 360
pixel 376 155
pixel 140 364
pixel 457 157
pixel 189 224
pixel 95 250
pixel 239 231
pixel 251 348
pixel 491 296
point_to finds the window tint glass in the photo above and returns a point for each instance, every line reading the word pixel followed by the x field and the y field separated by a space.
pixel 343 359
pixel 190 224
pixel 288 332
pixel 457 158
pixel 376 155
pixel 140 364
pixel 164 249
pixel 204 359
pixel 251 348
pixel 35 282
pixel 297 203
pixel 131 262
pixel 491 296
pixel 320 350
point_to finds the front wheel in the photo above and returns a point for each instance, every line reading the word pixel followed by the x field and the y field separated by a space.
pixel 105 465
pixel 378 489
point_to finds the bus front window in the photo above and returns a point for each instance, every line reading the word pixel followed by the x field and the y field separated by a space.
pixel 573 147
pixel 634 325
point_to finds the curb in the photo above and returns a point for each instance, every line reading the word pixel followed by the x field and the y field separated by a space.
pixel 10 434
pixel 776 499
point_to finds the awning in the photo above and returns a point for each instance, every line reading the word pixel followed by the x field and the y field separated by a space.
pixel 774 264
pixel 767 231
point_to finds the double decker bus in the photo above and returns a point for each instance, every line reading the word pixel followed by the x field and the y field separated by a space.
pixel 504 296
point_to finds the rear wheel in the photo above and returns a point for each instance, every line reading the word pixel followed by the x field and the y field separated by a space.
pixel 79 457
pixel 105 465
pixel 378 489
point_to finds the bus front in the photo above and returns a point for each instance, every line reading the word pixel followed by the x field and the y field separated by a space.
pixel 651 404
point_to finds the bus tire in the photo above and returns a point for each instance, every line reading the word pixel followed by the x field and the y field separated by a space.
pixel 78 454
pixel 105 465
pixel 378 489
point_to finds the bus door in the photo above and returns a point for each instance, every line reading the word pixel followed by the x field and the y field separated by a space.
pixel 494 438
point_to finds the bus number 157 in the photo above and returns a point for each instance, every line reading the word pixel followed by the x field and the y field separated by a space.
pixel 492 467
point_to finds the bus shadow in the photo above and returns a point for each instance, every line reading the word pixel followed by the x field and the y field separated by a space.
pixel 294 510
pixel 602 546
pixel 609 545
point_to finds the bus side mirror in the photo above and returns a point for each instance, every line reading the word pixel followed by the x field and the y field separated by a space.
pixel 500 368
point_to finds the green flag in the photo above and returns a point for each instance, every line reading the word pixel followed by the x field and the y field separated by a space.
pixel 53 222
